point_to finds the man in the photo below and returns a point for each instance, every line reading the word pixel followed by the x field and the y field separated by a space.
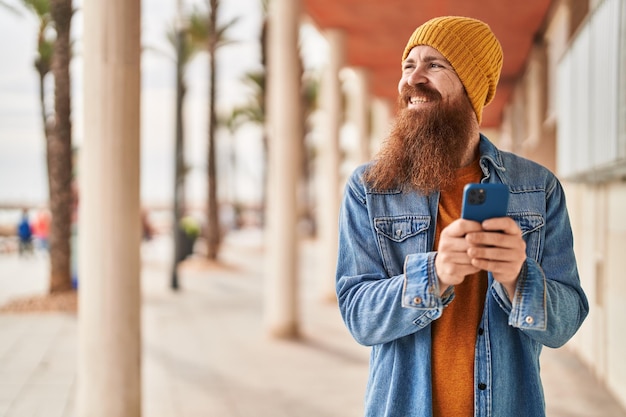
pixel 25 234
pixel 456 311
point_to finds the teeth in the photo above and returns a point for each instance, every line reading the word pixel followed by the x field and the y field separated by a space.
pixel 415 100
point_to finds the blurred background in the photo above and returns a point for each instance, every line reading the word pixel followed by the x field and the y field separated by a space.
pixel 239 172
pixel 23 150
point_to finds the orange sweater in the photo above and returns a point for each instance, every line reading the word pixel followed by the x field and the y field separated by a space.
pixel 454 333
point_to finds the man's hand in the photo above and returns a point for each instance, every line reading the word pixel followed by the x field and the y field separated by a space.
pixel 452 262
pixel 498 247
pixel 466 247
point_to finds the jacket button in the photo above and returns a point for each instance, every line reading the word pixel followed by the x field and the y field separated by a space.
pixel 481 331
pixel 417 300
pixel 529 320
pixel 482 386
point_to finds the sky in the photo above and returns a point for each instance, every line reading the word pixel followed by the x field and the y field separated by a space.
pixel 22 148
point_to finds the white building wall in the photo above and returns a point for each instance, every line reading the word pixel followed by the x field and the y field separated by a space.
pixel 596 204
pixel 597 214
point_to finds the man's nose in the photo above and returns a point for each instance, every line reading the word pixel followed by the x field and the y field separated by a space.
pixel 417 77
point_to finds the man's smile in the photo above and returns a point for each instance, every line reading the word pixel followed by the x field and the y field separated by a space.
pixel 418 101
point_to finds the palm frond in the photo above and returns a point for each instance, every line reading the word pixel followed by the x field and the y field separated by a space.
pixel 40 8
pixel 198 26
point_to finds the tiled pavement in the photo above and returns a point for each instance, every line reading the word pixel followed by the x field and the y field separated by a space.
pixel 205 353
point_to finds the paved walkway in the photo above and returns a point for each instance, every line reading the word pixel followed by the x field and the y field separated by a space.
pixel 205 353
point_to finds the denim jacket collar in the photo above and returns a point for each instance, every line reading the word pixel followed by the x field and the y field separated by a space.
pixel 490 156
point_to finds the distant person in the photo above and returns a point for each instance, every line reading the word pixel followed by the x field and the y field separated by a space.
pixel 41 229
pixel 25 234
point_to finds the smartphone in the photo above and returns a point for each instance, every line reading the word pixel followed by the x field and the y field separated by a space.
pixel 484 201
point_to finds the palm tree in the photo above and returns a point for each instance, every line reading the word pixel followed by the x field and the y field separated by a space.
pixel 254 112
pixel 213 233
pixel 188 37
pixel 178 38
pixel 184 38
pixel 215 38
pixel 53 53
pixel 59 151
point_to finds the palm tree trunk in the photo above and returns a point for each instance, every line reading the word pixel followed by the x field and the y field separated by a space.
pixel 47 125
pixel 179 162
pixel 213 235
pixel 60 153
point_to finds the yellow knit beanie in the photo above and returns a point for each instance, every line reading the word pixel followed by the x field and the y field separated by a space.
pixel 471 48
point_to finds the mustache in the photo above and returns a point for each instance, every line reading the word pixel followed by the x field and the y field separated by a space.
pixel 422 90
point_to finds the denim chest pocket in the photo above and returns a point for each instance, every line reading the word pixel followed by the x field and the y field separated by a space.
pixel 400 236
pixel 532 227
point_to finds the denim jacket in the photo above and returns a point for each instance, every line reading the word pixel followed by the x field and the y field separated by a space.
pixel 388 292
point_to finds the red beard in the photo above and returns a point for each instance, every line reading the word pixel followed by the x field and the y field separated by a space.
pixel 425 146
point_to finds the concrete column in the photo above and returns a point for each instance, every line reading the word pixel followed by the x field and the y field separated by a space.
pixel 540 142
pixel 557 37
pixel 109 360
pixel 362 114
pixel 285 132
pixel 329 161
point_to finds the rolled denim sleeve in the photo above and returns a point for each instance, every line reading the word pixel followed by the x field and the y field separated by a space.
pixel 549 304
pixel 370 301
pixel 527 310
pixel 421 288
pixel 421 285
